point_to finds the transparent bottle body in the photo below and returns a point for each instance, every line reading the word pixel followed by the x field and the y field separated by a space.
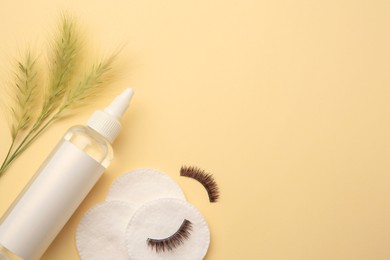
pixel 81 138
pixel 92 143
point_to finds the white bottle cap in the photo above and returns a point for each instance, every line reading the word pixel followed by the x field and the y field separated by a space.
pixel 106 122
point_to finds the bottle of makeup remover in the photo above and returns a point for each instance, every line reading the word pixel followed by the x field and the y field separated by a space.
pixel 60 185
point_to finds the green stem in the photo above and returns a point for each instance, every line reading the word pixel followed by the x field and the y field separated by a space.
pixel 8 154
pixel 37 124
pixel 21 149
pixel 25 143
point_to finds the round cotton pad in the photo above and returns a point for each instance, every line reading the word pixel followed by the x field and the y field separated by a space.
pixel 160 219
pixel 101 232
pixel 144 185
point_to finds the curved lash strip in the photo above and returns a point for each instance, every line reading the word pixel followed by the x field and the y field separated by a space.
pixel 173 241
pixel 206 179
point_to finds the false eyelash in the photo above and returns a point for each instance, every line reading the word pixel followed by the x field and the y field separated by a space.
pixel 173 241
pixel 206 179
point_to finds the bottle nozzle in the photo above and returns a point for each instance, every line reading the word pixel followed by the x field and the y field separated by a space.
pixel 107 122
pixel 118 107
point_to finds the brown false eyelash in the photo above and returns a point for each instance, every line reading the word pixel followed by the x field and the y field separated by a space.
pixel 173 241
pixel 206 179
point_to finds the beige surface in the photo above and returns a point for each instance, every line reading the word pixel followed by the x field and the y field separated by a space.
pixel 286 102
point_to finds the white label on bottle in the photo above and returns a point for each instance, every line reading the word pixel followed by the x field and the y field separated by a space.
pixel 58 189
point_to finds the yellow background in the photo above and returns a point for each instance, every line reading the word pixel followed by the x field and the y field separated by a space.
pixel 286 102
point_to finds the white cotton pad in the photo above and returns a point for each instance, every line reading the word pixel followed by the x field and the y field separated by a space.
pixel 101 232
pixel 144 185
pixel 160 219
